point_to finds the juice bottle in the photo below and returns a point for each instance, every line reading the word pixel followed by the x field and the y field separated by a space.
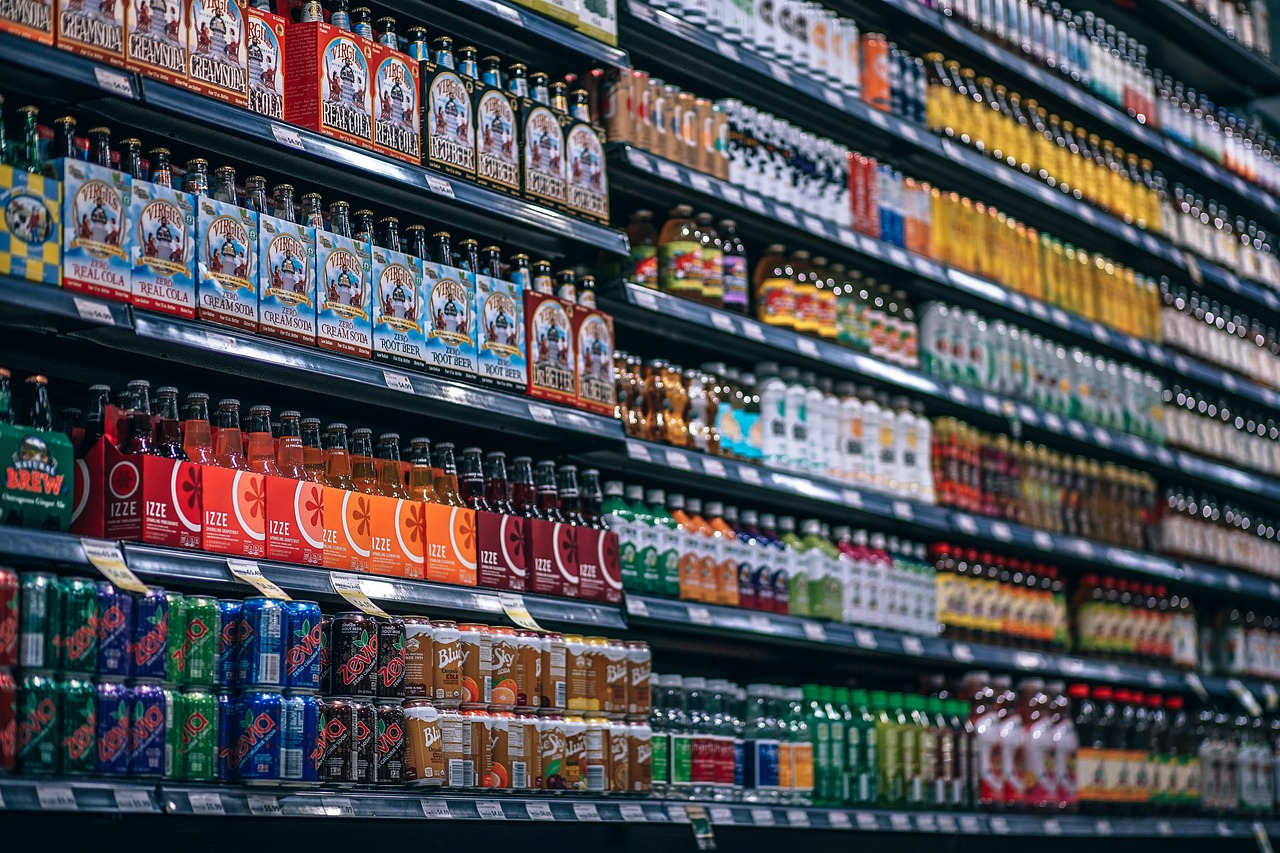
pixel 261 448
pixel 667 543
pixel 1041 780
pixel 798 581
pixel 773 283
pixel 712 261
pixel 889 791
pixel 1157 750
pixel 390 474
pixel 734 262
pixel 1092 731
pixel 806 291
pixel 941 746
pixel 312 449
pixel 987 712
pixel 863 753
pixel 289 447
pixel 826 308
pixel 728 552
pixel 229 443
pixel 445 476
pixel 645 535
pixel 826 589
pixel 913 743
pixel 689 538
pixel 363 472
pixel 642 264
pixel 421 473
pixel 622 520
pixel 168 438
pixel 680 254
pixel 802 763
pixel 779 566
pixel 756 590
pixel 964 747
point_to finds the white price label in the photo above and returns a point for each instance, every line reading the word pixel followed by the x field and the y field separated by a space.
pixel 1102 437
pixel 1155 678
pixel 249 572
pixel 815 225
pixel 350 588
pixel 797 817
pixel 902 511
pixel 1233 582
pixel 946 824
pixel 753 331
pixel 1076 430
pixel 1270 697
pixel 1083 549
pixel 749 475
pixel 668 171
pixel 1224 829
pixel 287 136
pixel 878 118
pixel 1103 827
pixel 999 826
pixel 1052 827
pixel 838 820
pixel 1042 540
pixel 206 802
pixel 786 215
pixel 1244 696
pixel 263 805
pixel 517 611
pixel 723 322
pixel 1053 422
pixel 108 559
pixel 397 381
pixel 511 13
pixel 56 798
pixel 489 810
pixel 539 811
pixel 722 815
pixel 851 498
pixel 115 82
pixel 1038 310
pixel 637 607
pixel 699 615
pixel 900 822
pixel 966 524
pixel 926 823
pixel 1164 828
pixel 338 807
pixel 93 311
pixel 754 203
pixel 440 186
pixel 832 97
pixel 639 452
pixel 814 632
pixel 760 624
pixel 632 813
pixel 807 347
pixel 962 653
pixel 912 646
pixel 132 800
pixel 762 817
pixel 713 468
pixel 728 51
pixel 864 638
pixel 439 810
pixel 969 824
pixel 780 74
pixel 676 459
pixel 866 821
pixel 645 299
pixel 542 414
pixel 1261 835
pixel 700 183
pixel 1001 531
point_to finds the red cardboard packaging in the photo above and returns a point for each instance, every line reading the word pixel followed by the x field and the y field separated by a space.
pixel 327 82
pixel 501 552
pixel 295 521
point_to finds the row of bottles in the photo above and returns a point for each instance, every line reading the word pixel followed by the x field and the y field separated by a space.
pixel 1141 623
pixel 693 257
pixel 1202 326
pixel 959 345
pixel 1207 425
pixel 1032 485
pixel 1245 643
pixel 1200 527
pixel 999 600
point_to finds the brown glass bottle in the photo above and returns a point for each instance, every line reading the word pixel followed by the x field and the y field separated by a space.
pixel 569 496
pixel 524 494
pixel 421 472
pixel 471 480
pixel 446 475
pixel 390 474
pixel 337 459
pixel 312 450
pixel 140 438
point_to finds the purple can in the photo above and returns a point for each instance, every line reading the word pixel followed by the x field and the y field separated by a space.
pixel 226 735
pixel 225 669
pixel 260 643
pixel 150 639
pixel 112 722
pixel 147 730
pixel 304 631
pixel 300 721
pixel 390 659
pixel 257 730
pixel 366 742
pixel 115 624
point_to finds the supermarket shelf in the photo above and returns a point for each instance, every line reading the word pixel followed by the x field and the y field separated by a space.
pixel 270 145
pixel 30 305
pixel 179 800
pixel 656 311
pixel 747 625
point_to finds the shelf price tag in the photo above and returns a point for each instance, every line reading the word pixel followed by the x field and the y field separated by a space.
pixel 900 822
pixel 349 587
pixel 1001 531
pixel 1261 836
pixel 668 171
pixel 338 807
pixel 699 615
pixel 926 823
pixel 248 572
pixel 723 323
pixel 206 802
pixel 1052 827
pixel 542 414
pixel 632 813
pixel 864 639
pixel 115 82
pixel 1164 828
pixel 807 347
pixel 797 817
pixel 56 798
pixel 750 475
pixel 969 824
pixel 902 511
pixel 780 74
pixel 586 811
pixel 999 826
pixel 704 835
pixel 762 817
pixel 108 559
pixel 839 820
pixel 93 311
pixel 132 800
pixel 966 524
pixel 637 607
pixel 1197 686
pixel 440 186
pixel 439 810
pixel 1243 695
pixel 676 459
pixel 397 381
pixel 962 652
pixel 539 811
pixel 814 632
pixel 851 499
pixel 700 183
pixel 1103 827
pixel 713 468
pixel 489 810
pixel 786 215
pixel 287 136
pixel 722 815
pixel 912 646
pixel 513 605
pixel 728 51
pixel 753 331
pixel 866 820
pixel 1042 540
pixel 263 805
pixel 1270 697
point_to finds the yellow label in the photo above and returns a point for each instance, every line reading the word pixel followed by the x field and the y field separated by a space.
pixel 249 572
pixel 108 559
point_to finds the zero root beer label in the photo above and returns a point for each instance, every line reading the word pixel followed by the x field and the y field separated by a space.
pixel 450 124
pixel 345 89
pixel 500 316
pixel 588 193
pixel 286 280
pixel 156 40
pixel 163 250
pixel 226 264
pixel 218 50
pixel 342 267
pixel 93 28
pixel 397 127
pixel 497 158
pixel 449 300
pixel 544 155
pixel 266 65
pixel 397 333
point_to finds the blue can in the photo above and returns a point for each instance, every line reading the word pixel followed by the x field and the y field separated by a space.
pixel 115 625
pixel 226 735
pixel 260 643
pixel 112 721
pixel 225 670
pixel 150 639
pixel 304 633
pixel 257 732
pixel 299 758
pixel 147 729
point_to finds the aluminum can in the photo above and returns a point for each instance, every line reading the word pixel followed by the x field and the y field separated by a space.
pixel 390 679
pixel 9 618
pixel 353 668
pixel 111 720
pixel 301 721
pixel 260 643
pixel 177 635
pixel 424 749
pixel 390 743
pixel 78 743
pixel 38 619
pixel 115 625
pixel 366 742
pixel 147 729
pixel 149 640
pixel 256 727
pixel 201 641
pixel 336 743
pixel 229 628
pixel 198 726
pixel 304 632
pixel 77 626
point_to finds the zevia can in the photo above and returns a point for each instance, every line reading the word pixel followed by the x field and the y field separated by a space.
pixel 150 637
pixel 256 728
pixel 326 657
pixel 391 635
pixel 198 727
pixel 115 622
pixel 173 661
pixel 366 742
pixel 260 643
pixel 39 723
pixel 229 630
pixel 424 749
pixel 200 641
pixel 303 642
pixel 77 633
pixel 226 735
pixel 147 719
pixel 111 719
pixel 390 743
pixel 79 727
pixel 353 666
pixel 336 744
pixel 38 619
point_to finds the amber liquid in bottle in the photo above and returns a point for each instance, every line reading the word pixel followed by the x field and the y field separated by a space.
pixel 446 476
pixel 421 473
pixel 197 438
pixel 390 474
pixel 363 472
pixel 337 460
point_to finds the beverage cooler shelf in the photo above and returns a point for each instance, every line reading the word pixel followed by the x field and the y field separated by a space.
pixel 647 174
pixel 696 321
pixel 719 64
pixel 68 795
pixel 273 145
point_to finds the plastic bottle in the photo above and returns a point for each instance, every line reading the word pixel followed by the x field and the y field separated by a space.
pixel 775 433
pixel 1037 717
pixel 795 420
pixel 913 743
pixel 987 713
pixel 889 782
pixel 761 777
pixel 667 544
pixel 680 254
pixel 622 521
pixel 798 577
pixel 773 284
pixel 727 551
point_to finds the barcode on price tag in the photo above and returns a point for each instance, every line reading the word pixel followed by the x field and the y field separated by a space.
pixel 132 800
pixel 287 136
pixel 439 810
pixel 440 186
pixel 539 811
pixel 631 812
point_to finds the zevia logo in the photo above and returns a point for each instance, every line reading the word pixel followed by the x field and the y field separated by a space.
pixel 255 734
pixel 390 735
pixel 81 644
pixel 154 642
pixel 304 646
pixel 393 673
pixel 33 469
pixel 80 742
pixel 113 740
pixel 362 658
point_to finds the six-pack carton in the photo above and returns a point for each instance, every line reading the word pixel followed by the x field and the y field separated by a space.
pixel 287 280
pixel 162 249
pixel 95 226
pixel 38 485
pixel 552 352
pixel 31 19
pixel 500 333
pixel 31 226
pixel 497 139
pixel 95 30
pixel 266 55
pixel 542 132
pixel 500 551
pixel 450 533
pixel 217 49
pixel 295 521
pixel 449 303
pixel 343 316
pixel 328 85
pixel 448 120
pixel 586 187
pixel 156 39
pixel 398 336
pixel 593 340
pixel 226 264
pixel 397 125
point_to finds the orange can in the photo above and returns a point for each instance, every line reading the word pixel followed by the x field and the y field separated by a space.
pixel 475 746
pixel 875 71
pixel 553 677
pixel 504 657
pixel 477 665
pixel 418 657
pixel 446 674
pixel 551 747
pixel 528 669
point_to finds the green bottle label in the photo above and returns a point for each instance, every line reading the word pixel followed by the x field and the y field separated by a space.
pixel 661 759
pixel 681 759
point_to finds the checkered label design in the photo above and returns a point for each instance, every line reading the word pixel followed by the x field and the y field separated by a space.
pixel 30 227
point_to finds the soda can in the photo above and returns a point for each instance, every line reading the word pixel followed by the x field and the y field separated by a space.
pixel 336 744
pixel 390 743
pixel 198 729
pixel 226 734
pixel 424 752
pixel 177 633
pixel 79 751
pixel 200 641
pixel 505 656
pixel 8 720
pixel 477 666
pixel 417 657
pixel 553 680
pixel 256 729
pixel 475 746
pixel 304 632
pixel 115 625
pixel 639 674
pixel 174 712
pixel 390 684
pixel 38 620
pixel 354 661
pixel 528 667
pixel 147 710
pixel 259 643
pixel 38 722
pixel 76 635
pixel 300 720
pixel 9 619
pixel 506 756
pixel 446 671
pixel 229 625
pixel 149 641
pixel 451 737
pixel 326 637
pixel 366 742
pixel 112 722
pixel 528 724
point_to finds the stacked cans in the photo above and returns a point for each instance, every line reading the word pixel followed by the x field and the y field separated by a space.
pixel 269 672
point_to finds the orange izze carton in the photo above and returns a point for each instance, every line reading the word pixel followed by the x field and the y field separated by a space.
pixel 235 512
pixel 295 521
pixel 347 530
pixel 451 544
pixel 389 551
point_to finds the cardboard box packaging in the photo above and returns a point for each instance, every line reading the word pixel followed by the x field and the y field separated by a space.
pixel 266 56
pixel 398 336
pixel 347 535
pixel 449 300
pixel 542 142
pixel 500 552
pixel 95 228
pixel 451 544
pixel 162 249
pixel 448 120
pixel 599 566
pixel 31 19
pixel 394 550
pixel 227 264
pixel 552 353
pixel 593 336
pixel 92 29
pixel 156 38
pixel 343 321
pixel 586 186
pixel 31 226
pixel 39 475
pixel 217 49
pixel 551 554
pixel 235 515
pixel 500 330
pixel 287 280
pixel 497 140
pixel 327 82
pixel 137 498
pixel 397 120
pixel 295 521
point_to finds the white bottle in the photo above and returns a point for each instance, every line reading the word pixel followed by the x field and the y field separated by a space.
pixel 794 416
pixel 774 436
pixel 872 578
pixel 872 418
pixel 815 425
pixel 905 451
pixel 935 353
pixel 851 578
pixel 924 454
pixel 886 577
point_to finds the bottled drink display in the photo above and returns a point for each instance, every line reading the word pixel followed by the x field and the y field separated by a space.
pixel 1216 332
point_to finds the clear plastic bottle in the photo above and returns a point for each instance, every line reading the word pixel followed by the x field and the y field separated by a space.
pixel 762 748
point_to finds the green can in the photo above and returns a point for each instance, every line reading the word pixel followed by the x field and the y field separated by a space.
pixel 173 703
pixel 199 643
pixel 177 630
pixel 79 742
pixel 38 620
pixel 197 736
pixel 39 723
pixel 77 632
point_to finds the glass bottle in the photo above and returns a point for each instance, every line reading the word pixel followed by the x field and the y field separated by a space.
pixel 311 213
pixel 224 185
pixel 168 436
pixel 261 455
pixel 587 291
pixel 131 159
pixel 390 473
pixel 340 218
pixel 642 263
pixel 569 496
pixel 99 399
pixel 255 190
pixel 544 479
pixel 197 437
pixel 734 261
pixel 471 480
pixel 363 471
pixel 282 204
pixel 524 494
pixel 141 431
pixel 289 447
pixel 196 179
pixel 337 459
pixel 362 226
pixel 680 254
pixel 39 415
pixel 313 458
pixel 421 472
pixel 497 488
pixel 229 442
pixel 446 476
